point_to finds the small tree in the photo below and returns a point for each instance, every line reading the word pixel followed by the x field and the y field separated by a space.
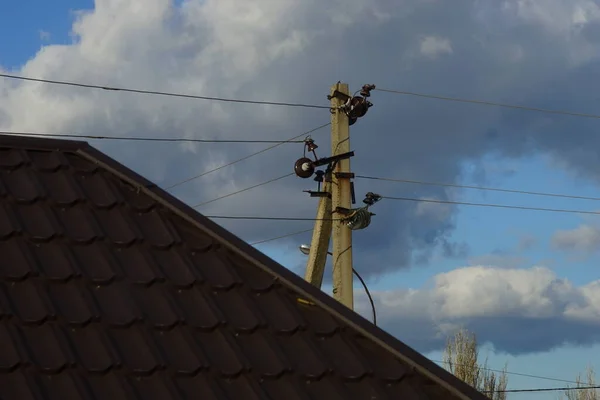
pixel 584 394
pixel 461 359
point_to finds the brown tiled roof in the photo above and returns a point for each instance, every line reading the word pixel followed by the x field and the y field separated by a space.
pixel 112 289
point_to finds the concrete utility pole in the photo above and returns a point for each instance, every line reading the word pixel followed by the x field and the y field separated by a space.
pixel 335 215
pixel 341 198
pixel 317 258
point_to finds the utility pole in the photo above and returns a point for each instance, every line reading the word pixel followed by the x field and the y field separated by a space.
pixel 317 258
pixel 341 198
pixel 334 214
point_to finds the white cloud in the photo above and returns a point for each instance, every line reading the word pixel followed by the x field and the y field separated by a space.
pixel 432 46
pixel 432 210
pixel 517 310
pixel 584 238
pixel 498 260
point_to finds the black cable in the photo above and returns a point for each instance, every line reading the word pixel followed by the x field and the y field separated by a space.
pixel 516 373
pixel 281 237
pixel 245 157
pixel 477 187
pixel 242 190
pixel 145 139
pixel 368 295
pixel 153 92
pixel 558 389
pixel 493 205
pixel 490 103
pixel 269 218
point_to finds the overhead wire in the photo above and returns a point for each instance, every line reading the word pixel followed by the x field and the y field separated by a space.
pixel 259 218
pixel 418 182
pixel 369 297
pixel 490 103
pixel 242 190
pixel 517 374
pixel 145 138
pixel 557 210
pixel 556 389
pixel 158 93
pixel 245 157
pixel 281 237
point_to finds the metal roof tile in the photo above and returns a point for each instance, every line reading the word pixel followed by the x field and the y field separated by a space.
pixel 179 351
pixel 9 356
pixel 280 311
pixel 155 303
pixel 304 355
pixel 62 189
pixel 222 351
pixel 117 227
pixel 134 349
pixel 176 266
pixel 116 304
pixel 197 309
pixel 91 348
pixel 16 262
pixel 62 386
pixel 156 229
pixel 46 160
pixel 156 387
pixel 96 262
pixel 8 224
pixel 46 347
pixel 138 265
pixel 98 190
pixel 72 302
pixel 200 386
pixel 216 269
pixel 80 164
pixel 109 386
pixel 28 301
pixel 137 200
pixel 23 185
pixel 38 221
pixel 11 158
pixel 263 354
pixel 18 386
pixel 55 261
pixel 79 224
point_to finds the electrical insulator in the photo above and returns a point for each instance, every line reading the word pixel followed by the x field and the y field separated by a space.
pixel 304 167
pixel 360 219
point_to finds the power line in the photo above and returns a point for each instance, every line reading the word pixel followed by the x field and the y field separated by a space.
pixel 145 139
pixel 493 205
pixel 158 93
pixel 517 373
pixel 369 297
pixel 281 237
pixel 557 389
pixel 477 187
pixel 268 218
pixel 490 103
pixel 243 190
pixel 245 157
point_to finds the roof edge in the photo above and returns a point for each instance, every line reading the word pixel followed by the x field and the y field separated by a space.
pixel 413 358
pixel 42 143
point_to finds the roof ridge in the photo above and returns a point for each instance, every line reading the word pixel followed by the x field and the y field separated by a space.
pixel 42 143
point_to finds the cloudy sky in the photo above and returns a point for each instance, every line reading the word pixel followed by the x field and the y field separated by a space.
pixel 525 281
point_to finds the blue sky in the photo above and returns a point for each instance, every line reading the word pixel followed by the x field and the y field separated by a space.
pixel 488 232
